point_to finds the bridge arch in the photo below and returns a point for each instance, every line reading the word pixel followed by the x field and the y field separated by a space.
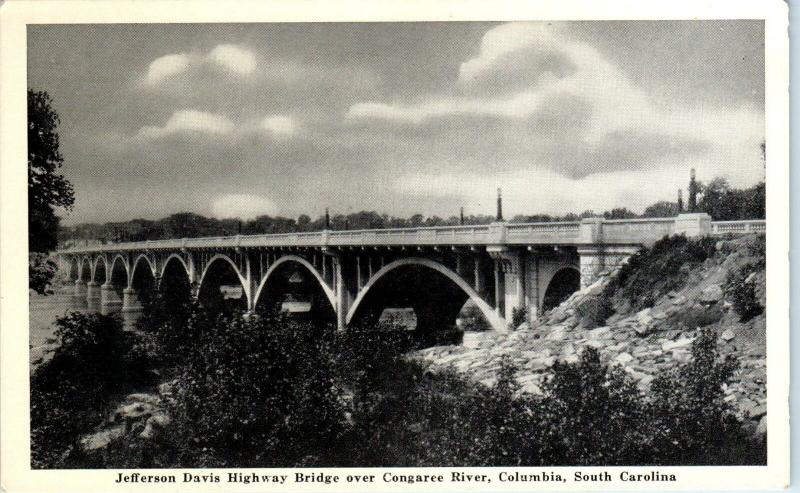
pixel 560 285
pixel 213 266
pixel 85 269
pixel 329 294
pixel 491 316
pixel 100 275
pixel 143 277
pixel 180 260
pixel 74 269
pixel 119 273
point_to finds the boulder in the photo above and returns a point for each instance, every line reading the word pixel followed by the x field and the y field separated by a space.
pixel 680 343
pixel 598 333
pixel 711 294
pixel 727 335
pixel 623 358
pixel 681 355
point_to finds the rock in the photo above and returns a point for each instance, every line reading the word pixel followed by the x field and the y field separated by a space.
pixel 524 326
pixel 727 335
pixel 473 340
pixel 643 330
pixel 556 334
pixel 758 411
pixel 681 355
pixel 596 344
pixel 680 343
pixel 711 294
pixel 568 349
pixel 679 300
pixel 761 429
pixel 572 358
pixel 598 333
pixel 623 358
pixel 102 438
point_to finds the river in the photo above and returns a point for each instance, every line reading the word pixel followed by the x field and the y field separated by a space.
pixel 44 310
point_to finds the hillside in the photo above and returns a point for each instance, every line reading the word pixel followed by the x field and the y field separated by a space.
pixel 644 319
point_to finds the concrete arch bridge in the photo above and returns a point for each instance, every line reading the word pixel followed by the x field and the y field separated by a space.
pixel 349 275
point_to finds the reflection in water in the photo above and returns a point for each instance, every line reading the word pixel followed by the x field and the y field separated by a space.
pixel 44 310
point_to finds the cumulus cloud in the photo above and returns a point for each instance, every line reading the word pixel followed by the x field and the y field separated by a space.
pixel 167 66
pixel 189 121
pixel 280 126
pixel 243 206
pixel 233 58
pixel 228 58
pixel 532 76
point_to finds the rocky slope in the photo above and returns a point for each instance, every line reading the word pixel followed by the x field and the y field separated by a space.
pixel 643 342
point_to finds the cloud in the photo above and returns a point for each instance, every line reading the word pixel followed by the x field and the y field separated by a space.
pixel 279 126
pixel 233 58
pixel 167 66
pixel 229 58
pixel 189 121
pixel 243 206
pixel 521 91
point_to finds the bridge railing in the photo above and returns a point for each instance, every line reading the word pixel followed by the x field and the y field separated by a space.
pixel 593 230
pixel 738 227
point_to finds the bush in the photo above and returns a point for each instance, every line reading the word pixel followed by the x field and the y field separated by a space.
pixel 594 310
pixel 518 316
pixel 654 271
pixel 740 288
pixel 93 362
pixel 592 415
pixel 690 421
pixel 41 271
pixel 255 392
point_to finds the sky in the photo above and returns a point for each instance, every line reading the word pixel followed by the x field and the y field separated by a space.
pixel 240 120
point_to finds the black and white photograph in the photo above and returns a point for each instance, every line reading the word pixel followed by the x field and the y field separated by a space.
pixel 489 254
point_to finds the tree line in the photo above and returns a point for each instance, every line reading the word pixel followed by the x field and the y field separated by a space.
pixel 717 198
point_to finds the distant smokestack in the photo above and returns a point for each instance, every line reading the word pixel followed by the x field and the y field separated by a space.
pixel 327 219
pixel 680 200
pixel 461 217
pixel 499 204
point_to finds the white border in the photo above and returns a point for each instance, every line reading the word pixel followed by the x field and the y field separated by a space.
pixel 14 389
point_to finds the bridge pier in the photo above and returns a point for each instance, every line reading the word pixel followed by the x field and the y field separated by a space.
pixel 92 292
pixel 108 296
pixel 130 300
pixel 80 288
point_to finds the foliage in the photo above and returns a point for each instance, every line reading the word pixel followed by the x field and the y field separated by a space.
pixel 740 288
pixel 255 391
pixel 653 272
pixel 594 310
pixel 724 203
pixel 518 316
pixel 662 208
pixel 692 423
pixel 41 270
pixel 93 362
pixel 592 415
pixel 46 188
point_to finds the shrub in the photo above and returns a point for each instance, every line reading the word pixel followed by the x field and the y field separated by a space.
pixel 594 310
pixel 256 392
pixel 41 271
pixel 592 415
pixel 654 271
pixel 93 362
pixel 690 421
pixel 740 288
pixel 518 316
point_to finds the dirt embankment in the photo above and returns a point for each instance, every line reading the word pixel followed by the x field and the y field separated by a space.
pixel 643 341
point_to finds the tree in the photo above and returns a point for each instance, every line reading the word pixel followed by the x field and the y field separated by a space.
pixel 47 190
pixel 662 208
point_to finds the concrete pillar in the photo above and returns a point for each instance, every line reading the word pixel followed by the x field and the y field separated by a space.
pixel 532 284
pixel 359 282
pixel 108 295
pixel 693 224
pixel 130 300
pixel 509 279
pixel 599 260
pixel 80 288
pixel 480 282
pixel 92 291
pixel 498 288
pixel 341 295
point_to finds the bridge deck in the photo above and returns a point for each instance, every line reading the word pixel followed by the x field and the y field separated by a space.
pixel 593 231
